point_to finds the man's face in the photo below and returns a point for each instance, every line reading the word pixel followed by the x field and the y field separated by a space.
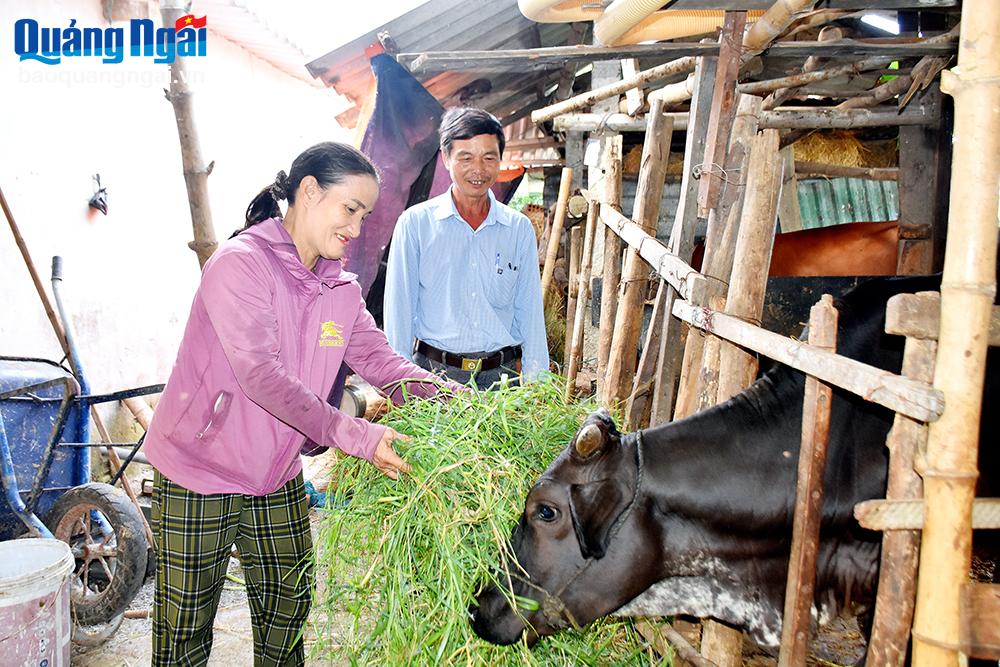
pixel 474 164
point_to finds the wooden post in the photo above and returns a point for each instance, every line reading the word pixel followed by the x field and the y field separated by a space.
pixel 720 242
pixel 573 289
pixel 897 582
pixel 583 298
pixel 611 271
pixel 195 171
pixel 745 299
pixel 967 290
pixel 555 232
pixel 634 99
pixel 801 582
pixel 789 214
pixel 720 121
pixel 639 399
pixel 682 242
pixel 648 196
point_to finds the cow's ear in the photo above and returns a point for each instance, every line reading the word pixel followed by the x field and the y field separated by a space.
pixel 594 508
pixel 597 434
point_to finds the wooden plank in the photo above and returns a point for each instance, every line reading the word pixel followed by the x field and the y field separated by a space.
pixel 745 299
pixel 914 399
pixel 720 121
pixel 919 316
pixel 897 585
pixel 789 214
pixel 634 98
pixel 909 514
pixel 659 636
pixel 648 197
pixel 783 118
pixel 555 57
pixel 722 644
pixel 682 242
pixel 801 582
pixel 980 631
pixel 923 190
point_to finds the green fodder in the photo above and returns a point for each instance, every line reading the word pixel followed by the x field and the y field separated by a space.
pixel 401 560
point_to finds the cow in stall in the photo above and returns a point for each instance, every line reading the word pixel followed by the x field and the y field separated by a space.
pixel 695 516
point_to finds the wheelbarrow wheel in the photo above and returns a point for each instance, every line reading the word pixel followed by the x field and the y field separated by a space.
pixel 106 534
pixel 95 635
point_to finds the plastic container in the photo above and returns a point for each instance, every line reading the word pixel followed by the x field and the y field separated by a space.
pixel 35 619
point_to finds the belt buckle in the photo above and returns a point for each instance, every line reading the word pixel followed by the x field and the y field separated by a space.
pixel 471 365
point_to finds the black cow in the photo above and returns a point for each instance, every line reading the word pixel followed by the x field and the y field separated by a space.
pixel 704 505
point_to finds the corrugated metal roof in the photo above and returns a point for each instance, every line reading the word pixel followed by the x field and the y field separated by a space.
pixel 239 23
pixel 832 201
pixel 454 25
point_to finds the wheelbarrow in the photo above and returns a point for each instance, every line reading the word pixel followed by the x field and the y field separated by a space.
pixel 45 466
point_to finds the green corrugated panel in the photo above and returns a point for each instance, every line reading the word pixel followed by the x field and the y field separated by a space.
pixel 833 201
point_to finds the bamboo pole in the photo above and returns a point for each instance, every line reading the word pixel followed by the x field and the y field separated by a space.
pixel 583 298
pixel 897 583
pixel 572 290
pixel 967 291
pixel 801 582
pixel 195 171
pixel 648 197
pixel 745 298
pixel 612 267
pixel 555 232
pixel 786 118
pixel 587 99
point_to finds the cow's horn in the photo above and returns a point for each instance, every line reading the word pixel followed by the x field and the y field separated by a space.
pixel 589 440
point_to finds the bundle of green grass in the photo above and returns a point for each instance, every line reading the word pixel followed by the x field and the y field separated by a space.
pixel 400 561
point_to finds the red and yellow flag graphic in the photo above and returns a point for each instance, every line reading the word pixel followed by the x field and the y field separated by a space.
pixel 190 21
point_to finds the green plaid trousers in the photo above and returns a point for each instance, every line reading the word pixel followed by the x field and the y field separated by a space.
pixel 194 534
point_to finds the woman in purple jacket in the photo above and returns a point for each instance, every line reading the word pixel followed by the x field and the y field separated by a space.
pixel 274 318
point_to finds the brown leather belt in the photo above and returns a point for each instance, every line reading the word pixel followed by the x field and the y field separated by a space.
pixel 504 356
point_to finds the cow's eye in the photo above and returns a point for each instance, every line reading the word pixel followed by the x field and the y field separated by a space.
pixel 546 513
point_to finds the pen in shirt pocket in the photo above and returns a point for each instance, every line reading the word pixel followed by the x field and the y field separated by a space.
pixel 499 269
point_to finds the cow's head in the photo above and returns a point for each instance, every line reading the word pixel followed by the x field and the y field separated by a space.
pixel 579 545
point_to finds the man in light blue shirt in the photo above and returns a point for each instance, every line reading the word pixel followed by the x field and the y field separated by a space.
pixel 462 295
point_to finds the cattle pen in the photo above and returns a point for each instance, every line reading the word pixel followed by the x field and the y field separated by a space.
pixel 580 332
pixel 725 299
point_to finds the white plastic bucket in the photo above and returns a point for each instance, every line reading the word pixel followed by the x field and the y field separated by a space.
pixel 34 602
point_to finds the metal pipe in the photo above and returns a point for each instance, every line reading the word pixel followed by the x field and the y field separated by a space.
pixel 81 471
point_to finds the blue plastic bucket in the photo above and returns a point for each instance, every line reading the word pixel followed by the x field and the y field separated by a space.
pixel 35 617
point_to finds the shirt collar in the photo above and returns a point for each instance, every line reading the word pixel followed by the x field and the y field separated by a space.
pixel 445 208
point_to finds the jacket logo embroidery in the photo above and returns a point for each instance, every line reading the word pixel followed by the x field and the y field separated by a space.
pixel 330 335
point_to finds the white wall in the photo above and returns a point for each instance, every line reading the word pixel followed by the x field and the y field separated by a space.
pixel 129 276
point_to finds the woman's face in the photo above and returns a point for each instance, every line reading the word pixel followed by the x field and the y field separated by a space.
pixel 334 215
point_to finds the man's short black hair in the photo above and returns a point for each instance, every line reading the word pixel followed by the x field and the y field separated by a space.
pixel 465 123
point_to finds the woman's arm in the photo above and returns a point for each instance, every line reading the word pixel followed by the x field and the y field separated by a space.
pixel 237 292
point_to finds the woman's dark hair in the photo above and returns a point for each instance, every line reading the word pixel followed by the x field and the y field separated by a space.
pixel 465 123
pixel 328 162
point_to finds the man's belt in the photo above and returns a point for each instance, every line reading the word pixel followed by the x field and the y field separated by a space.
pixel 504 356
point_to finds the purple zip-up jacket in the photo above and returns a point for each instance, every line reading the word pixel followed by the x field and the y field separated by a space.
pixel 264 341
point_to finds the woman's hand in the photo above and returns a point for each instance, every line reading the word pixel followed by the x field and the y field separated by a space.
pixel 386 459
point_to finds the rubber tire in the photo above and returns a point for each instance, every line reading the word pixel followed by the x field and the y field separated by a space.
pixel 95 635
pixel 130 553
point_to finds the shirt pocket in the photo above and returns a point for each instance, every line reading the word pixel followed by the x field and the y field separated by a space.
pixel 501 281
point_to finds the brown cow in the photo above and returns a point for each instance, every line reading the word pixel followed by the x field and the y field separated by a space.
pixel 850 249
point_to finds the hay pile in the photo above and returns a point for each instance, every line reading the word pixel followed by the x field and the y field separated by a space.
pixel 843 147
pixel 400 560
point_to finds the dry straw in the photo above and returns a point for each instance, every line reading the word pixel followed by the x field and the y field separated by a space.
pixel 400 561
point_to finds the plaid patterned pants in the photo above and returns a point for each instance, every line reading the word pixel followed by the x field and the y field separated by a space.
pixel 194 536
